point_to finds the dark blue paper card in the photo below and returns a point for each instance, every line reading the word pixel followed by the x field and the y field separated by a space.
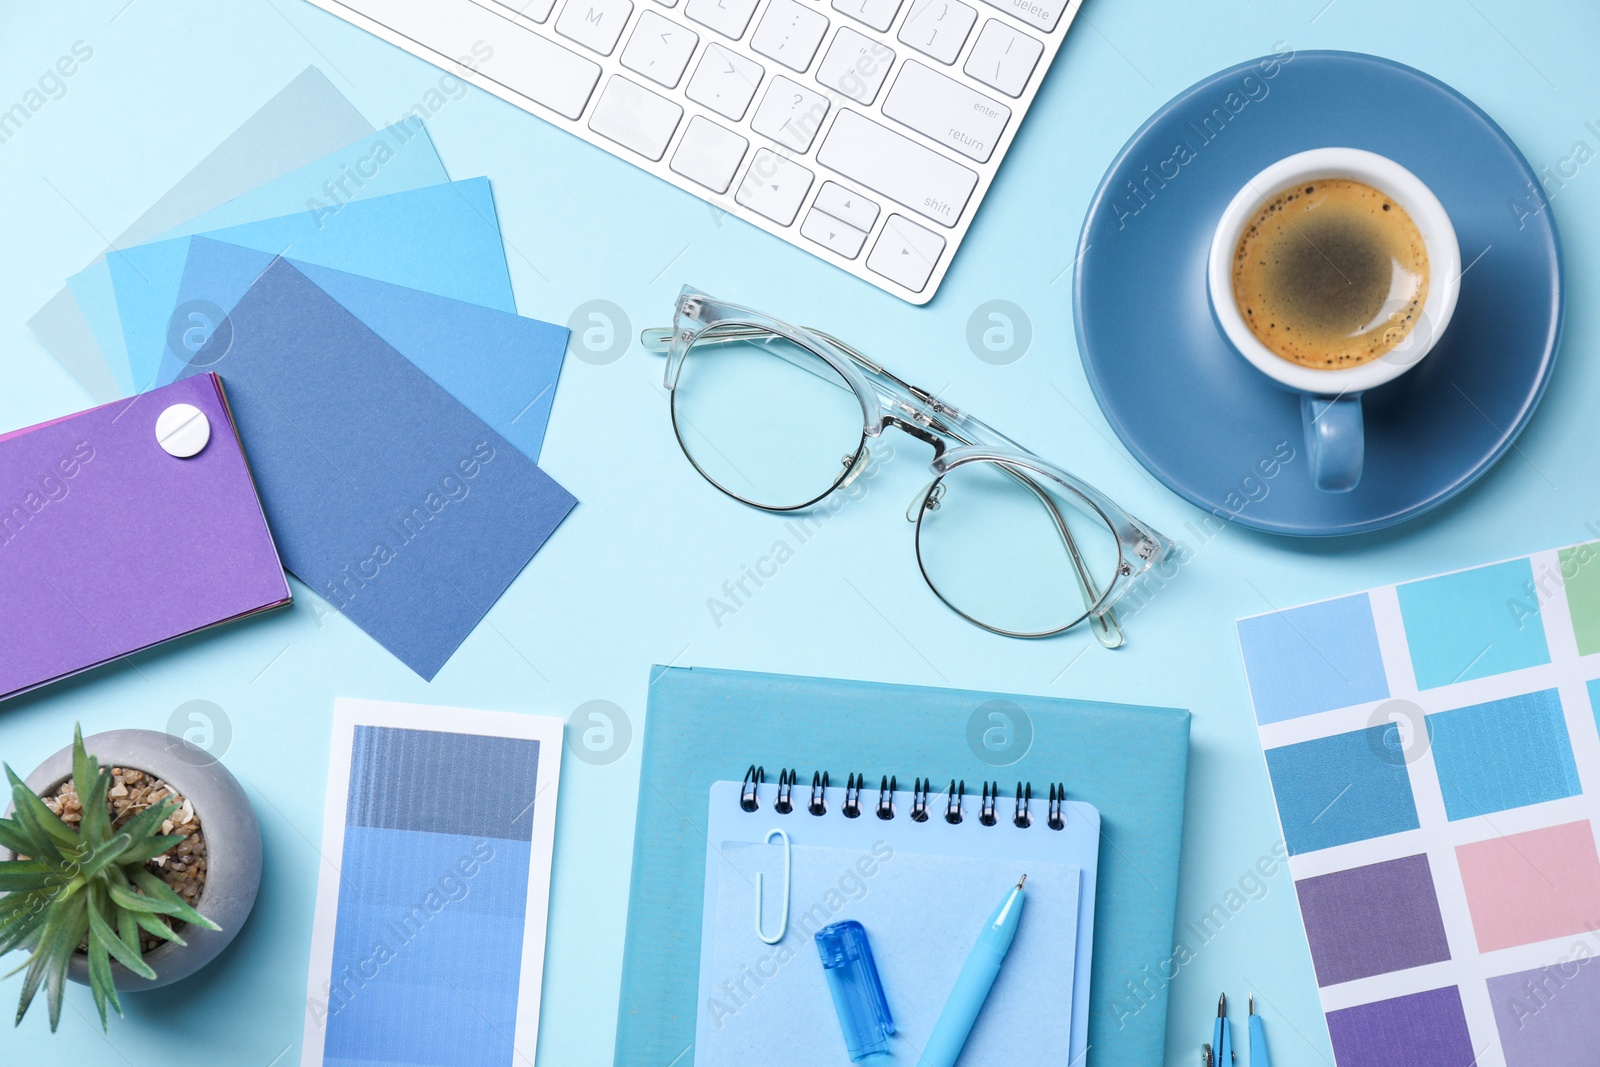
pixel 503 367
pixel 391 500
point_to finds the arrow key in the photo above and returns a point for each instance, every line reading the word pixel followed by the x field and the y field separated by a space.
pixel 906 253
pixel 853 209
pixel 774 186
pixel 832 234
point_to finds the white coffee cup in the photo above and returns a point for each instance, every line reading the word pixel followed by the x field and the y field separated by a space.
pixel 1331 399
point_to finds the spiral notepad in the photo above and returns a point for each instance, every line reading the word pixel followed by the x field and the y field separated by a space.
pixel 921 869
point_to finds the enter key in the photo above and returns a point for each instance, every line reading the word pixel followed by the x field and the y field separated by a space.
pixel 946 111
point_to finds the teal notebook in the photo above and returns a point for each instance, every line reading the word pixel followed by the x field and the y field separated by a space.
pixel 705 726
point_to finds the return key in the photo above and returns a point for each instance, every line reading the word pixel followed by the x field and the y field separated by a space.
pixel 947 111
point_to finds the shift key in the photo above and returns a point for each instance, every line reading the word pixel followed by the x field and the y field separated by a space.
pixel 898 167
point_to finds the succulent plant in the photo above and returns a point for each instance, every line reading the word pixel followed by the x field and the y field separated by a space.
pixel 85 886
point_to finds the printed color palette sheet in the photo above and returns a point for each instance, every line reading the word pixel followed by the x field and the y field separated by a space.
pixel 428 942
pixel 1434 750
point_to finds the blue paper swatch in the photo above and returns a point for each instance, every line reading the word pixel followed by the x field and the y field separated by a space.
pixel 1313 658
pixel 504 368
pixel 1343 788
pixel 386 496
pixel 444 239
pixel 1503 754
pixel 1472 624
pixel 347 173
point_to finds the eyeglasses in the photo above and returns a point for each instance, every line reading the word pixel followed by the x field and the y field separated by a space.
pixel 779 417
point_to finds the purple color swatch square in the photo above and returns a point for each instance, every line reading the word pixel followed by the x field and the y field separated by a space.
pixel 1372 920
pixel 1549 1016
pixel 1420 1030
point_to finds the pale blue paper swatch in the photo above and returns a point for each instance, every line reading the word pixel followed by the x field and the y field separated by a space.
pixel 444 238
pixel 922 914
pixel 409 162
pixel 502 367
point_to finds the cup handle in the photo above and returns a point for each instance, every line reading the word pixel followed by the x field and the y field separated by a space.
pixel 1335 441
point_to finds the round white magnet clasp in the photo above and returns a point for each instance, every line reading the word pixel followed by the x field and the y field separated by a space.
pixel 183 430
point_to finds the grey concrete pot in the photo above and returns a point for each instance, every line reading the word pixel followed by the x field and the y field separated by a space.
pixel 233 843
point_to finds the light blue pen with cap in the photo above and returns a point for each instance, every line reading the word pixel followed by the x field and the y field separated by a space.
pixel 974 982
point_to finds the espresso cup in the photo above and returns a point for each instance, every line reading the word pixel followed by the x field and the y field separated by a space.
pixel 1330 400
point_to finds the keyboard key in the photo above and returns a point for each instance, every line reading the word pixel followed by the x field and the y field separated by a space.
pixel 855 65
pixel 725 81
pixel 938 28
pixel 536 10
pixel 878 14
pixel 832 234
pixel 659 49
pixel 946 111
pixel 541 70
pixel 595 24
pixel 905 253
pixel 790 114
pixel 853 209
pixel 635 118
pixel 727 17
pixel 709 154
pixel 1041 13
pixel 790 33
pixel 774 186
pixel 1003 57
pixel 898 167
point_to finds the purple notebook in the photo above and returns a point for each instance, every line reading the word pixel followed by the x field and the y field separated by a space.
pixel 112 540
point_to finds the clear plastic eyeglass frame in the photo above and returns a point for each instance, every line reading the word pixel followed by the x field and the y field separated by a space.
pixel 957 439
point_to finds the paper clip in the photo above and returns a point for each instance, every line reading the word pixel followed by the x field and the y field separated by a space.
pixel 783 920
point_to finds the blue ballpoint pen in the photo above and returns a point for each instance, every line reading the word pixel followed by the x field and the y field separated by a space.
pixel 1259 1057
pixel 973 983
pixel 1222 1034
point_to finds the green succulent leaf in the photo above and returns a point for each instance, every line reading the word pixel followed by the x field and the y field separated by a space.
pixel 28 801
pixel 112 850
pixel 95 825
pixel 26 874
pixel 154 925
pixel 15 838
pixel 119 949
pixel 171 903
pixel 128 931
pixel 43 844
pixel 85 768
pixel 101 983
pixel 21 926
pixel 149 820
pixel 62 932
pixel 149 849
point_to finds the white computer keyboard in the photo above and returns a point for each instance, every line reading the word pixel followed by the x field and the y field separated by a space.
pixel 863 131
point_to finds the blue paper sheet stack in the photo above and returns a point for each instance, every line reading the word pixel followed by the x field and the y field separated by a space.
pixel 359 312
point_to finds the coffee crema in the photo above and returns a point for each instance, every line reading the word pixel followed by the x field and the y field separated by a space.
pixel 1331 274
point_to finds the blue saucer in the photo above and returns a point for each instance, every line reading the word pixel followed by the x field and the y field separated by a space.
pixel 1214 429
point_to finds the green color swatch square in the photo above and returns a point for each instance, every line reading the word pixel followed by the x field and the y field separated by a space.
pixel 1580 570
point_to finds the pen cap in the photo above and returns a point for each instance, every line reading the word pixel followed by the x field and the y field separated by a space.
pixel 857 992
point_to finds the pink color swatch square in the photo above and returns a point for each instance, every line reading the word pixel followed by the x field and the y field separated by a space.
pixel 1532 886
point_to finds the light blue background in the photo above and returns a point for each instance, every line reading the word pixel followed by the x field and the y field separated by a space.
pixel 624 582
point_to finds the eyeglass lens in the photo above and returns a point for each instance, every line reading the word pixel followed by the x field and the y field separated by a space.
pixel 764 419
pixel 1014 551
